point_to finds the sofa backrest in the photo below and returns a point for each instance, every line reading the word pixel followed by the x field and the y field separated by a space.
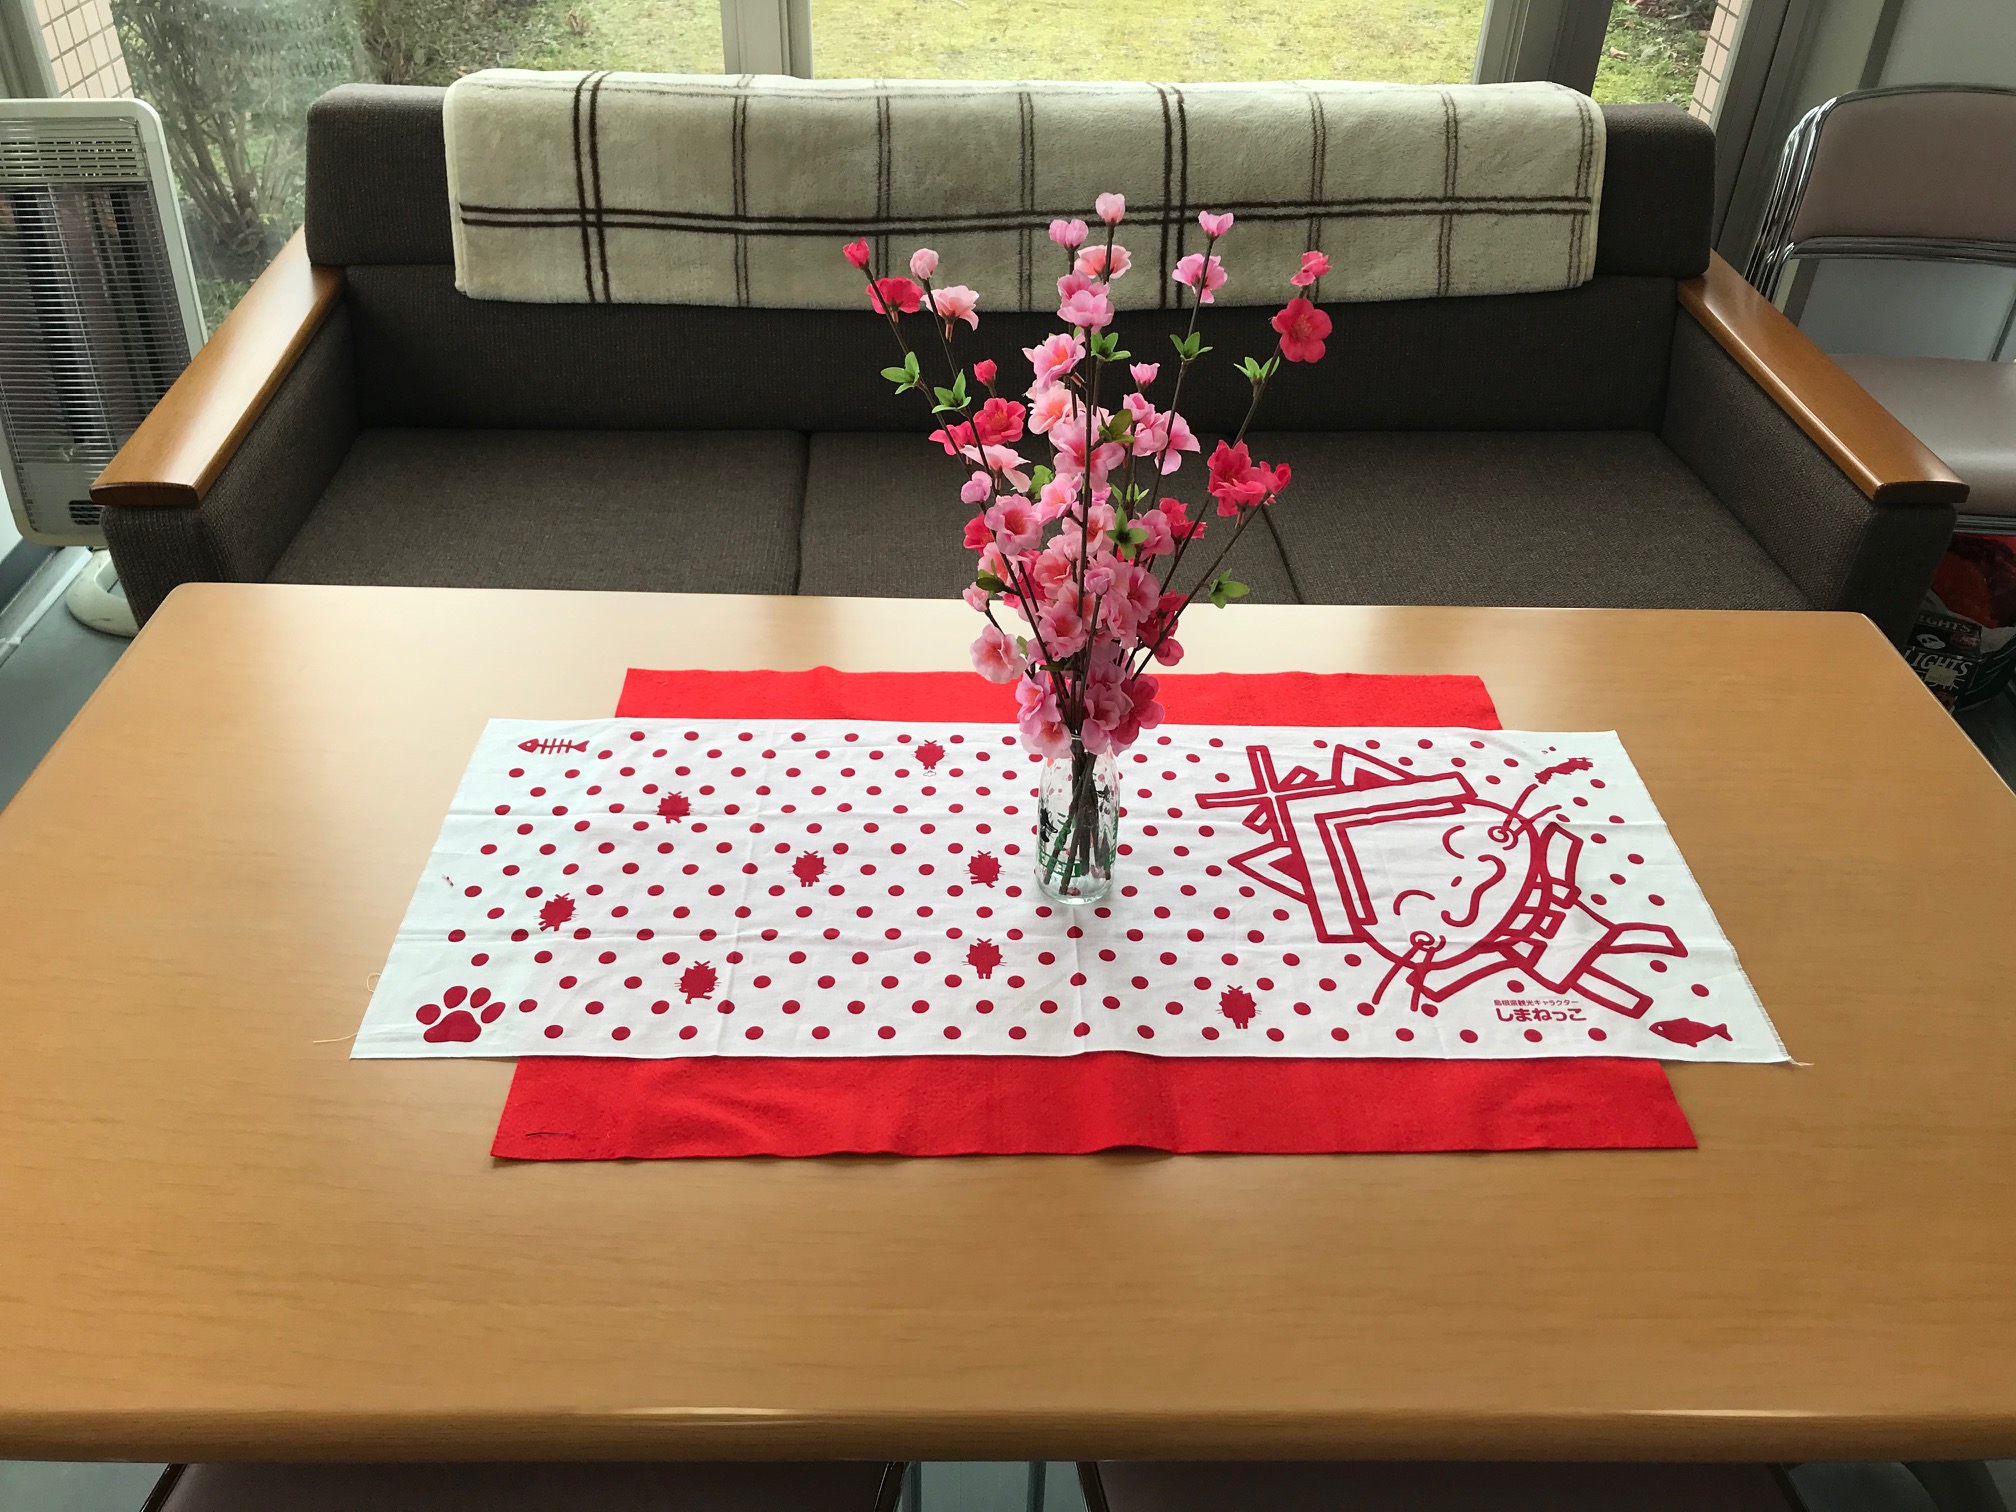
pixel 377 206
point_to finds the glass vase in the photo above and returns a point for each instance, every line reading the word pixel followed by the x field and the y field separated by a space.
pixel 1077 826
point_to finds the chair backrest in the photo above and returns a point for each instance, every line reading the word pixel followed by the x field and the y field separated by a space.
pixel 1589 358
pixel 1926 171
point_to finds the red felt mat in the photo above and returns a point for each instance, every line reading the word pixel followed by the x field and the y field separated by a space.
pixel 567 1108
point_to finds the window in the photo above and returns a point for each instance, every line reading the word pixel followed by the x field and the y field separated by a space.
pixel 1408 41
pixel 1654 51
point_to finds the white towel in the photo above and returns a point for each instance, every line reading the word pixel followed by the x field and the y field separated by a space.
pixel 717 190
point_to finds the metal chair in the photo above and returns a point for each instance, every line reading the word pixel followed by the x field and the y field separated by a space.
pixel 1925 172
pixel 864 1486
pixel 1126 1486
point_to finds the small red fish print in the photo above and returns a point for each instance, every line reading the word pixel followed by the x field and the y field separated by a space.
pixel 1236 1003
pixel 673 807
pixel 549 745
pixel 983 956
pixel 930 754
pixel 1684 1031
pixel 983 869
pixel 808 868
pixel 698 981
pixel 555 911
pixel 458 1026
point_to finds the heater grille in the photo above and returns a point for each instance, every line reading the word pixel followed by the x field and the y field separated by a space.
pixel 91 331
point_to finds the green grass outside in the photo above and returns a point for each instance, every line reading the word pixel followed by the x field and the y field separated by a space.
pixel 1645 57
pixel 1648 58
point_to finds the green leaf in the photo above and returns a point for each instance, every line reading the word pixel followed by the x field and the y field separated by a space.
pixel 1273 366
pixel 896 374
pixel 1038 476
pixel 1225 589
pixel 990 583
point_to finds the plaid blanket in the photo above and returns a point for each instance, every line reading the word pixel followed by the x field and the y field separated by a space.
pixel 720 190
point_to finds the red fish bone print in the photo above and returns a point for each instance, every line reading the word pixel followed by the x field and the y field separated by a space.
pixel 850 888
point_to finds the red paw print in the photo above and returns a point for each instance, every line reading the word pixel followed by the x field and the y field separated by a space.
pixel 458 1026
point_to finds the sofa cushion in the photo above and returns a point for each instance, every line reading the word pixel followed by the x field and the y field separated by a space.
pixel 686 512
pixel 883 520
pixel 1593 358
pixel 1605 518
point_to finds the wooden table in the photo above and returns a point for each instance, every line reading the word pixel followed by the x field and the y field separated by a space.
pixel 221 1238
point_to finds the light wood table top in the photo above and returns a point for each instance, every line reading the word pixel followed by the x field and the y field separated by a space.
pixel 221 1238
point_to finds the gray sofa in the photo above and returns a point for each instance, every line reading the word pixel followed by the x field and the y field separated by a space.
pixel 1596 447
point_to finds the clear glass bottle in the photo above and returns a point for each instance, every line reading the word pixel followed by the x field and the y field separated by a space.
pixel 1077 826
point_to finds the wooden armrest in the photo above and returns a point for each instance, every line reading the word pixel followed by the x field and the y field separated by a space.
pixel 183 444
pixel 1865 440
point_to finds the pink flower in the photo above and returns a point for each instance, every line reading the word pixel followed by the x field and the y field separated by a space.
pixel 857 254
pixel 979 535
pixel 1214 226
pixel 999 422
pixel 1160 542
pixel 1111 208
pixel 1014 523
pixel 1158 434
pixel 1055 356
pixel 1190 269
pixel 978 489
pixel 1049 403
pixel 1314 266
pixel 1089 308
pixel 955 302
pixel 1068 234
pixel 977 598
pixel 1094 261
pixel 1236 480
pixel 1302 327
pixel 1056 498
pixel 1130 596
pixel 1177 513
pixel 1052 570
pixel 984 370
pixel 1144 373
pixel 1042 730
pixel 954 437
pixel 995 656
pixel 895 293
pixel 923 263
pixel 1083 296
pixel 1062 621
pixel 1067 437
pixel 1169 651
pixel 1005 461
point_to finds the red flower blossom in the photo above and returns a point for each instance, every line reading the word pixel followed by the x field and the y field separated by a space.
pixel 899 294
pixel 985 370
pixel 999 422
pixel 1238 482
pixel 1303 328
pixel 857 254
